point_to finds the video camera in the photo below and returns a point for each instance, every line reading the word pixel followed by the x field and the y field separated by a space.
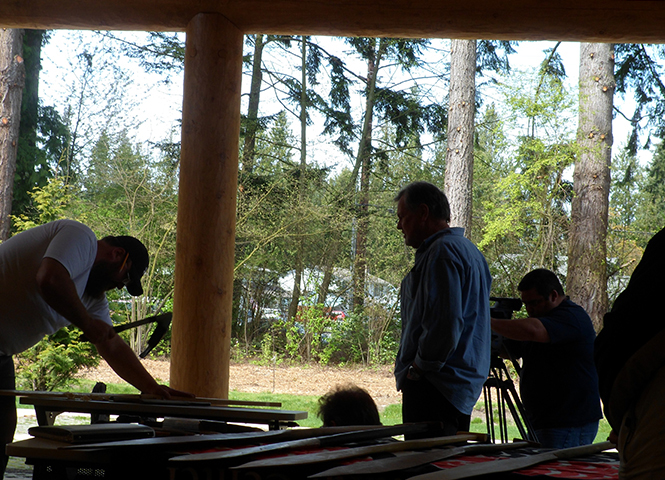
pixel 504 308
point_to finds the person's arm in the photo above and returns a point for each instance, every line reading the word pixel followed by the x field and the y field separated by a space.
pixel 58 290
pixel 524 329
pixel 122 359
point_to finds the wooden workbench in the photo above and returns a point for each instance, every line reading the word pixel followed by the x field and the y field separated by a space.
pixel 47 408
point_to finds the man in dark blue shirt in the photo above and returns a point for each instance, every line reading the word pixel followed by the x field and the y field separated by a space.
pixel 559 383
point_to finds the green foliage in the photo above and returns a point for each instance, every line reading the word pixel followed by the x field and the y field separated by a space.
pixel 53 362
pixel 638 70
pixel 49 203
pixel 369 336
pixel 522 191
pixel 43 135
pixel 129 192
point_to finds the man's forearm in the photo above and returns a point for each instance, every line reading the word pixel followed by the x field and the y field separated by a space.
pixel 122 359
pixel 523 329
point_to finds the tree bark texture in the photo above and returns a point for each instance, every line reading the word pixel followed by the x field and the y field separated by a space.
pixel 12 80
pixel 587 250
pixel 29 167
pixel 203 298
pixel 252 125
pixel 364 162
pixel 459 155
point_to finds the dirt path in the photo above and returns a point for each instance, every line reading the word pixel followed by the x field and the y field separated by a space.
pixel 297 380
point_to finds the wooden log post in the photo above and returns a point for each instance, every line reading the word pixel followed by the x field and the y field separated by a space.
pixel 207 207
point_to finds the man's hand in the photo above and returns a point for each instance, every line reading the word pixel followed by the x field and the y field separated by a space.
pixel 168 392
pixel 414 373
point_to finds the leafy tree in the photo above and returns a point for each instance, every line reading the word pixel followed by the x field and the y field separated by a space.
pixel 395 106
pixel 638 71
pixel 653 214
pixel 43 136
pixel 126 192
pixel 625 241
pixel 524 211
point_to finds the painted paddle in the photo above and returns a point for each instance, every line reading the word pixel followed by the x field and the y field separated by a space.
pixel 330 455
pixel 330 440
pixel 512 464
pixel 222 439
pixel 413 459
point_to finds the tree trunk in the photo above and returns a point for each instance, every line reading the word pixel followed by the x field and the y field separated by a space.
pixel 364 163
pixel 30 168
pixel 459 156
pixel 12 78
pixel 300 246
pixel 587 249
pixel 248 148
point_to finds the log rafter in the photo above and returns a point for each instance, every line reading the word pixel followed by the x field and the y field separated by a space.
pixel 634 21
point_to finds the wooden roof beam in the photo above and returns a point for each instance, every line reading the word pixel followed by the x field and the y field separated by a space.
pixel 635 21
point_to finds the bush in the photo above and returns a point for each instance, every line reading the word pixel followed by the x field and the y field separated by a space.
pixel 52 363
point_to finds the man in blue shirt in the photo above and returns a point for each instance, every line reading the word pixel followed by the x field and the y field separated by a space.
pixel 559 383
pixel 444 354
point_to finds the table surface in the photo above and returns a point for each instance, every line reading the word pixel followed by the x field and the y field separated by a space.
pixel 157 409
pixel 45 451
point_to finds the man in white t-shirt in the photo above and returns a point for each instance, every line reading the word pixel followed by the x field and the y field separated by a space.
pixel 55 275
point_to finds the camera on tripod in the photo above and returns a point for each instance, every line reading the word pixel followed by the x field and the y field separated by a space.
pixel 503 308
pixel 499 385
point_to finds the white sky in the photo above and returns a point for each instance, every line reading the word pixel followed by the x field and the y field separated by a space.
pixel 159 105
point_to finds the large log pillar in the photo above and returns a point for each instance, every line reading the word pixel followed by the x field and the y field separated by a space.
pixel 207 207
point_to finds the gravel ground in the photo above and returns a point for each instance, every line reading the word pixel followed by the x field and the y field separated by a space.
pixel 296 380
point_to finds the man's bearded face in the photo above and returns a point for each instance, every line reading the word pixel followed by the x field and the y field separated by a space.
pixel 101 279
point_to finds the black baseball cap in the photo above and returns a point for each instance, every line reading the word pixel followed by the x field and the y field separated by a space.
pixel 138 254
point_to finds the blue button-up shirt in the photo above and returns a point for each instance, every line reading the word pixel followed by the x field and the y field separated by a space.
pixel 445 310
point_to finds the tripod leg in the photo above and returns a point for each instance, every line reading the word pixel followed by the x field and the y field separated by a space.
pixel 489 415
pixel 516 407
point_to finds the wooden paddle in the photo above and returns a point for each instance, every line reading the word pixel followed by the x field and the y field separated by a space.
pixel 414 459
pixel 236 439
pixel 512 464
pixel 139 398
pixel 326 441
pixel 331 455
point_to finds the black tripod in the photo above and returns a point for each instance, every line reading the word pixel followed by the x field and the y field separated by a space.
pixel 501 384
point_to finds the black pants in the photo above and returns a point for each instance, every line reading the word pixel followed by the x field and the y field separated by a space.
pixel 7 408
pixel 422 402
